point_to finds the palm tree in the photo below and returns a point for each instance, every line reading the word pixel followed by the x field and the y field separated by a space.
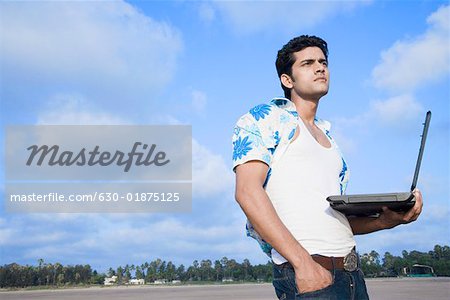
pixel 40 262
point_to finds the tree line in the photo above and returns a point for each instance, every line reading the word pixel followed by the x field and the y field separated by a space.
pixel 47 274
pixel 223 270
pixel 204 270
pixel 373 265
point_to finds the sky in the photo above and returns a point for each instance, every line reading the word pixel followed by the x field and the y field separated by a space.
pixel 206 63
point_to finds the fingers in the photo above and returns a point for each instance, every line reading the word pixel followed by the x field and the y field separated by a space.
pixel 327 275
pixel 313 278
pixel 414 212
pixel 418 197
pixel 390 218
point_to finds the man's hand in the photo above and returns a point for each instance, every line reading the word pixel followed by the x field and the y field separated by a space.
pixel 312 277
pixel 389 218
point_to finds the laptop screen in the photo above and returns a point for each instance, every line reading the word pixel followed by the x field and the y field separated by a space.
pixel 422 146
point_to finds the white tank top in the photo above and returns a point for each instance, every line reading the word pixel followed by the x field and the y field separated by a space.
pixel 300 182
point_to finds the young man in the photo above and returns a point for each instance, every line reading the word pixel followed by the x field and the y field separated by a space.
pixel 286 164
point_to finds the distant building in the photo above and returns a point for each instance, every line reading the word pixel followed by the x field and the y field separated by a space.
pixel 110 280
pixel 136 281
pixel 160 281
pixel 419 271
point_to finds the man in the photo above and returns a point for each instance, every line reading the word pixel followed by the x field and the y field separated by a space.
pixel 286 164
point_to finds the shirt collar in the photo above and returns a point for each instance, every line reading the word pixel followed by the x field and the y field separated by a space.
pixel 285 104
pixel 289 106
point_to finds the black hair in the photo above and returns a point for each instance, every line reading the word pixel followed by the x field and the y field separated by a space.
pixel 286 58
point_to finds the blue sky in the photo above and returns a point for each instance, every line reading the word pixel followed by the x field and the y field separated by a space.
pixel 205 63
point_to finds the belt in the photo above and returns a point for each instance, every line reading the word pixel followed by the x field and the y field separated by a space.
pixel 348 263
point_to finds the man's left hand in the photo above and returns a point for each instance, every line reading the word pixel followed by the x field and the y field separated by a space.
pixel 389 218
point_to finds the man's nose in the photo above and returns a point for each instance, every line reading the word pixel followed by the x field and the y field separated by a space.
pixel 320 68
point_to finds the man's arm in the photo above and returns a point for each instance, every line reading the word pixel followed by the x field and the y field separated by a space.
pixel 388 218
pixel 255 203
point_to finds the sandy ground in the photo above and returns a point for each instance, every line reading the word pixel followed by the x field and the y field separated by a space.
pixel 382 289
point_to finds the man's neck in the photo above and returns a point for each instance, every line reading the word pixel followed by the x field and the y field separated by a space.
pixel 306 109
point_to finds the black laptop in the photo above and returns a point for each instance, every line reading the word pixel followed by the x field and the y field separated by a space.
pixel 371 204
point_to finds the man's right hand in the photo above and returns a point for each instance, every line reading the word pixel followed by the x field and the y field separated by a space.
pixel 311 276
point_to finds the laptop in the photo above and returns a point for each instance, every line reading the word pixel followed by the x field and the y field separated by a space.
pixel 371 204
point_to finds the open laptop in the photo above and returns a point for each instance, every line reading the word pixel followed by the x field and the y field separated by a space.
pixel 371 204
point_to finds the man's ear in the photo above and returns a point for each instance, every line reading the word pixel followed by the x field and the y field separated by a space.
pixel 286 80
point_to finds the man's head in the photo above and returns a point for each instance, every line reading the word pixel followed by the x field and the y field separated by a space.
pixel 286 57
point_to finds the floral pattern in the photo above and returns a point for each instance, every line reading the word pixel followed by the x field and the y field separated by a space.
pixel 260 111
pixel 241 147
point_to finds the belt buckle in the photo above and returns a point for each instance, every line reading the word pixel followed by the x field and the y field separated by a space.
pixel 351 261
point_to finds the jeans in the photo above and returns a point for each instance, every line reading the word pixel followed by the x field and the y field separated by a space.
pixel 346 285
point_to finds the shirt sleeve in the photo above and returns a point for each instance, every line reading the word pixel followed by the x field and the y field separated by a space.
pixel 252 141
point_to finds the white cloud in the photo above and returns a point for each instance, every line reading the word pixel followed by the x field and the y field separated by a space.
pixel 436 213
pixel 83 238
pixel 210 174
pixel 165 119
pixel 199 101
pixel 6 236
pixel 171 229
pixel 106 48
pixel 439 185
pixel 287 16
pixel 403 108
pixel 67 109
pixel 410 63
pixel 17 238
pixel 398 112
pixel 405 237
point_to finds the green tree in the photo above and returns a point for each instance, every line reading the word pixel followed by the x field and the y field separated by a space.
pixel 370 264
pixel 206 270
pixel 247 270
pixel 139 274
pixel 218 270
pixel 162 270
pixel 111 272
pixel 388 264
pixel 170 271
pixel 224 262
pixel 120 274
pixel 181 273
pixel 40 273
pixel 127 273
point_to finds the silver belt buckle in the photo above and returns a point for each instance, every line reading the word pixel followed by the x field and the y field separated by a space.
pixel 351 261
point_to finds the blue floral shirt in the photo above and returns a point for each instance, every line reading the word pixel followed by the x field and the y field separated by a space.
pixel 264 134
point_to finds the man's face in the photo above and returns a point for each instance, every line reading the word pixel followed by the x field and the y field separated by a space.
pixel 310 77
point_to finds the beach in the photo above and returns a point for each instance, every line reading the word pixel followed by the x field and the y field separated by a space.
pixel 379 288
